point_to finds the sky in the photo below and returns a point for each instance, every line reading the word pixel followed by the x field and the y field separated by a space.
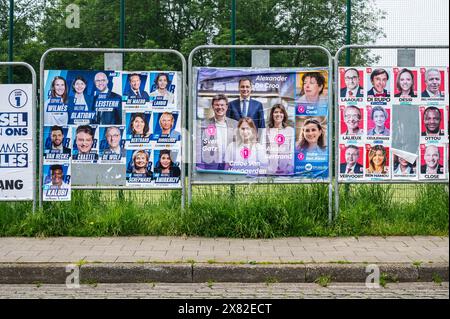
pixel 415 22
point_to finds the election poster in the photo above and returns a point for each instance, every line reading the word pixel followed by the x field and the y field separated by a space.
pixel 94 121
pixel 56 182
pixel 16 142
pixel 401 124
pixel 252 123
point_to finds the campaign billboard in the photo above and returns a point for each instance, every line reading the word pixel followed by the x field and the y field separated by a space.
pixel 393 123
pixel 261 123
pixel 17 173
pixel 95 120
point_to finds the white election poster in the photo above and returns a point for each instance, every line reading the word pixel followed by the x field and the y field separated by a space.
pixel 16 147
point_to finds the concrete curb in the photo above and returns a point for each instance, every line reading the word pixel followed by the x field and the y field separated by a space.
pixel 55 273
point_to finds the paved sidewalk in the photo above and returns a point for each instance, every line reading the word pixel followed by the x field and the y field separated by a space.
pixel 423 249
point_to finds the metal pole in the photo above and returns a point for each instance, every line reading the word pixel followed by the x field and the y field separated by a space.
pixel 349 31
pixel 11 40
pixel 122 24
pixel 233 32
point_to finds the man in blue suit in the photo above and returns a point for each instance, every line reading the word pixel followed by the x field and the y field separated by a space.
pixel 135 91
pixel 245 106
pixel 107 104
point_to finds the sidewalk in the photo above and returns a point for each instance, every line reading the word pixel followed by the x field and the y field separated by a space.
pixel 292 256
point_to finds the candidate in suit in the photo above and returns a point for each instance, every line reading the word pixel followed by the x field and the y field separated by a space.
pixel 114 114
pixel 351 157
pixel 245 106
pixel 432 158
pixel 432 122
pixel 57 138
pixel 433 83
pixel 352 88
pixel 379 79
pixel 214 135
pixel 135 91
pixel 113 138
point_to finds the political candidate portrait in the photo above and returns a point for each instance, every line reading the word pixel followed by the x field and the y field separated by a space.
pixel 352 87
pixel 167 122
pixel 352 119
pixel 405 84
pixel 140 164
pixel 139 126
pixel 433 83
pixel 57 100
pixel 432 122
pixel 135 91
pixel 57 139
pixel 165 166
pixel 246 106
pixel 280 138
pixel 431 158
pixel 214 135
pixel 351 165
pixel 113 139
pixel 313 85
pixel 379 79
pixel 57 177
pixel 79 101
pixel 312 137
pixel 403 167
pixel 161 92
pixel 112 114
pixel 378 160
pixel 379 116
pixel 84 140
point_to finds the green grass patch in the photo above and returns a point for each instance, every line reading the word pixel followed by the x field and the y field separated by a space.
pixel 250 211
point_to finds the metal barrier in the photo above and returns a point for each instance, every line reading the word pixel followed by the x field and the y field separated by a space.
pixel 114 50
pixel 337 121
pixel 34 109
pixel 191 116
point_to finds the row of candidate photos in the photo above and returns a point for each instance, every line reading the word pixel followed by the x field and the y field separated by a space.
pixel 365 124
pixel 107 144
pixel 384 85
pixel 99 97
pixel 380 162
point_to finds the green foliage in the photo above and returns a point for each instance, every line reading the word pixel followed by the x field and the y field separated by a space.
pixel 323 281
pixel 254 211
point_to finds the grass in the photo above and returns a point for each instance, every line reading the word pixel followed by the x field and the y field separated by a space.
pixel 323 281
pixel 252 211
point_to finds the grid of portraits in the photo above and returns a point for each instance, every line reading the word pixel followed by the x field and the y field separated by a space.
pixel 262 122
pixel 105 118
pixel 372 132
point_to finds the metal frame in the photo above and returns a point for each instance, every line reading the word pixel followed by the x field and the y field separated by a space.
pixel 116 50
pixel 34 111
pixel 330 115
pixel 337 123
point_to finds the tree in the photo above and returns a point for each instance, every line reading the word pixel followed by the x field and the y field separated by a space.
pixel 184 24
